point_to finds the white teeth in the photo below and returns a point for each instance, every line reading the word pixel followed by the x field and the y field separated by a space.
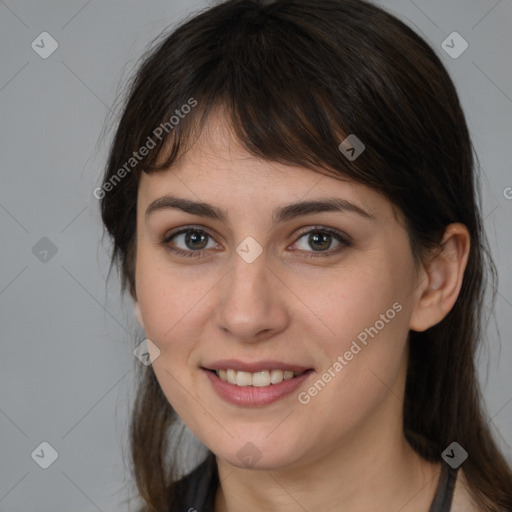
pixel 257 379
pixel 260 379
pixel 243 379
pixel 230 376
pixel 276 376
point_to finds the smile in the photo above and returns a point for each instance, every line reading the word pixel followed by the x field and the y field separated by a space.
pixel 256 379
pixel 256 389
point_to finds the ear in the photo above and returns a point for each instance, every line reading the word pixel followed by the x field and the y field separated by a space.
pixel 442 279
pixel 138 314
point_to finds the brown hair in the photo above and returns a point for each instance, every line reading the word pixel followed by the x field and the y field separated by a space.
pixel 295 78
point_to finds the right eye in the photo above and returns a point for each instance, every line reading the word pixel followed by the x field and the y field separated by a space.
pixel 192 239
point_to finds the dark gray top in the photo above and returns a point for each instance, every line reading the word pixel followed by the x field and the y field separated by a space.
pixel 196 491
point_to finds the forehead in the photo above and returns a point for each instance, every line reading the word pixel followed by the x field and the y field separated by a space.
pixel 217 169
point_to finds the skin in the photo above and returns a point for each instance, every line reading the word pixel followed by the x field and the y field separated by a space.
pixel 329 453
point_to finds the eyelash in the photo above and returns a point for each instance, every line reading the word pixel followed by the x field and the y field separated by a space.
pixel 345 242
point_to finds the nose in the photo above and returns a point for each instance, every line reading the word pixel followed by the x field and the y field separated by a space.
pixel 252 301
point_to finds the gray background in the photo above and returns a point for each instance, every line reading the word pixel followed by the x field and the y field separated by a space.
pixel 66 365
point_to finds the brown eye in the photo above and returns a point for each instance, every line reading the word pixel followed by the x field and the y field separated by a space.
pixel 188 242
pixel 321 240
pixel 196 240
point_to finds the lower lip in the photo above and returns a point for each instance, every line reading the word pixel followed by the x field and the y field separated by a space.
pixel 254 396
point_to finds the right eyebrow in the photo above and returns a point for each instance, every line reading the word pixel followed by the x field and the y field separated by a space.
pixel 195 208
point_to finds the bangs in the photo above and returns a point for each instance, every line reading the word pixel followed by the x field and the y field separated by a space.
pixel 276 132
pixel 262 72
pixel 291 126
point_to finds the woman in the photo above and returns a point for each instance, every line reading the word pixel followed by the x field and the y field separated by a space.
pixel 292 200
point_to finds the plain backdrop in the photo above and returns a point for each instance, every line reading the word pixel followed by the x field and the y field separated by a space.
pixel 67 339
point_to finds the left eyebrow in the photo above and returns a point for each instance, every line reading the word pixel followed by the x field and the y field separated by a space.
pixel 280 214
pixel 328 204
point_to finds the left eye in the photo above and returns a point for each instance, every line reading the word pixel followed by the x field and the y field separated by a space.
pixel 321 240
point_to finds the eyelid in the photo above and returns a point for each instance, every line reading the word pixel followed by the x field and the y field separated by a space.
pixel 325 229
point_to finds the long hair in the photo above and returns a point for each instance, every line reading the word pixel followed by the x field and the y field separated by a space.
pixel 295 78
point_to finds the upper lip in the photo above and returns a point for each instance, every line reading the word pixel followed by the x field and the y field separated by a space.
pixel 255 366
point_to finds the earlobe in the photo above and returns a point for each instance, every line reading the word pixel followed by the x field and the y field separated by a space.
pixel 138 314
pixel 443 278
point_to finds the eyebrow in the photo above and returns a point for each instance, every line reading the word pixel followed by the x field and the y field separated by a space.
pixel 280 214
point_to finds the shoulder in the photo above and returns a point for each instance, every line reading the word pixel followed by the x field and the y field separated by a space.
pixel 462 501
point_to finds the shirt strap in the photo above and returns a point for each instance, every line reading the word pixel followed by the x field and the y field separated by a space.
pixel 444 493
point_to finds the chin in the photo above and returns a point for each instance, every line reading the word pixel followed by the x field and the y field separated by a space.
pixel 260 453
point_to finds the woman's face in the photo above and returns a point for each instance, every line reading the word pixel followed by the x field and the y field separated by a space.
pixel 273 287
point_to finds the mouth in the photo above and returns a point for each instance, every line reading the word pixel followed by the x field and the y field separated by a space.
pixel 255 389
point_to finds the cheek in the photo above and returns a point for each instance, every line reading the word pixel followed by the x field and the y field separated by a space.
pixel 362 358
pixel 176 304
pixel 163 298
pixel 366 314
pixel 352 300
